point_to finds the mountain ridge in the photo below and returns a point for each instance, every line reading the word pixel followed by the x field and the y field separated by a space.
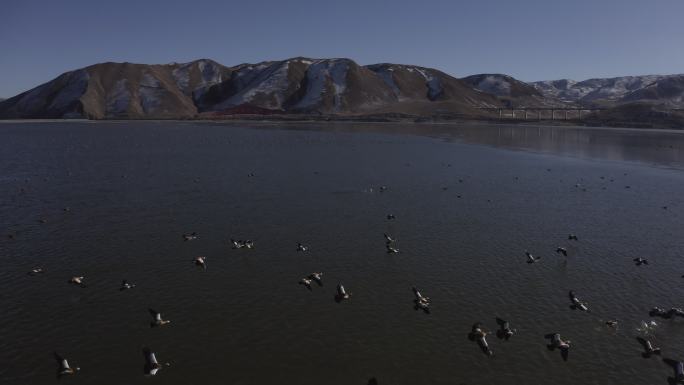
pixel 304 86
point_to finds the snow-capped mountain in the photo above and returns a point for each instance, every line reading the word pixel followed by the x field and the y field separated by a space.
pixel 304 86
pixel 298 85
pixel 512 92
pixel 610 91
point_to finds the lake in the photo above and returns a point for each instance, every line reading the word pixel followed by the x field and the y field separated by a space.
pixel 110 201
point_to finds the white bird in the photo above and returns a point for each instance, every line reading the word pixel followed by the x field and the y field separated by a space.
pixel 318 277
pixel 648 347
pixel 306 282
pixel 200 261
pixel 391 250
pixel 125 285
pixel 558 343
pixel 157 319
pixel 531 258
pixel 64 368
pixel 388 238
pixel 190 236
pixel 479 335
pixel 152 366
pixel 301 247
pixel 421 301
pixel 77 281
pixel 576 303
pixel 35 271
pixel 341 293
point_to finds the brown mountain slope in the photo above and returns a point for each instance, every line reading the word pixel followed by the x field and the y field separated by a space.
pixel 298 85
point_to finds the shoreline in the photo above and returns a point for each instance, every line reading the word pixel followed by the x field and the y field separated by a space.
pixel 361 122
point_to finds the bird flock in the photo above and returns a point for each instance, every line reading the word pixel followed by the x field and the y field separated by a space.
pixel 478 333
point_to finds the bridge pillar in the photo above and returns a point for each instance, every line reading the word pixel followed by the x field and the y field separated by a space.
pixel 553 114
pixel 525 113
pixel 500 113
pixel 538 114
pixel 566 114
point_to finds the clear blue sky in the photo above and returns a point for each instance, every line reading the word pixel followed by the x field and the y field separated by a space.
pixel 528 39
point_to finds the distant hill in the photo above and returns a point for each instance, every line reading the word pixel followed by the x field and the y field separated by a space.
pixel 207 88
pixel 324 88
pixel 512 92
pixel 660 89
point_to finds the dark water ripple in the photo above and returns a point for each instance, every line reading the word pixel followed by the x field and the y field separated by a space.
pixel 134 188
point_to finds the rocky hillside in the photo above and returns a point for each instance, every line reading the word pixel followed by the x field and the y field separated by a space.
pixel 660 89
pixel 512 92
pixel 204 87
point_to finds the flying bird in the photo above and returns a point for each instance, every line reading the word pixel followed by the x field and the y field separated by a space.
pixel 157 319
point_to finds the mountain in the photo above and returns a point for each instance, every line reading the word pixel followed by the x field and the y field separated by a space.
pixel 119 90
pixel 206 88
pixel 665 89
pixel 512 92
pixel 339 88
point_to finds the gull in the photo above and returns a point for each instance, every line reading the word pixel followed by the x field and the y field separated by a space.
pixel 648 347
pixel 125 285
pixel 341 293
pixel 157 319
pixel 573 237
pixel 391 217
pixel 505 331
pixel 239 244
pixel 531 258
pixel 200 261
pixel 562 250
pixel 667 314
pixel 576 303
pixel 77 281
pixel 306 282
pixel 301 247
pixel 479 335
pixel 64 368
pixel 388 239
pixel 318 277
pixel 558 343
pixel 421 301
pixel 678 367
pixel 36 271
pixel 190 236
pixel 152 366
pixel 640 261
pixel 391 250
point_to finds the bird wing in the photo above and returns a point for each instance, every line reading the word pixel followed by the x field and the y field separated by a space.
pixel 155 314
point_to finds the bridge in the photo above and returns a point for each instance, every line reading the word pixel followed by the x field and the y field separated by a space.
pixel 541 113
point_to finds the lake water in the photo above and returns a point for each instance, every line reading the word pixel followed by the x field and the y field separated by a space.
pixel 468 201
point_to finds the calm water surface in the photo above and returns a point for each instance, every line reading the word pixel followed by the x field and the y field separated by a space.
pixel 134 187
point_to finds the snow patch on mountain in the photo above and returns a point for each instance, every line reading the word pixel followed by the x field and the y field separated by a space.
pixel 150 92
pixel 118 99
pixel 262 80
pixel 210 74
pixel 496 85
pixel 432 82
pixel 318 75
pixel 77 84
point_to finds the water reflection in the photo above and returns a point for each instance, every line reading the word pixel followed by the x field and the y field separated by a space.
pixel 659 147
